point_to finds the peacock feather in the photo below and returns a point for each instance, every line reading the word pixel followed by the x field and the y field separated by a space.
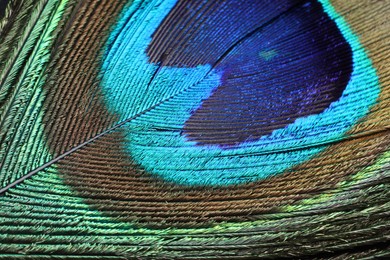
pixel 174 129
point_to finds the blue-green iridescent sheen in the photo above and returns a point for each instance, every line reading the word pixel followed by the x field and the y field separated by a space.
pixel 168 153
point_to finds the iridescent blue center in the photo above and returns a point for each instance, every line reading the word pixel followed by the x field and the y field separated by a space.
pixel 236 93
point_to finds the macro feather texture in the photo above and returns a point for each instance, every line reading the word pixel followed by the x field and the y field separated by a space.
pixel 173 129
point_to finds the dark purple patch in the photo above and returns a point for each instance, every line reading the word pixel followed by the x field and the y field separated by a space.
pixel 280 61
